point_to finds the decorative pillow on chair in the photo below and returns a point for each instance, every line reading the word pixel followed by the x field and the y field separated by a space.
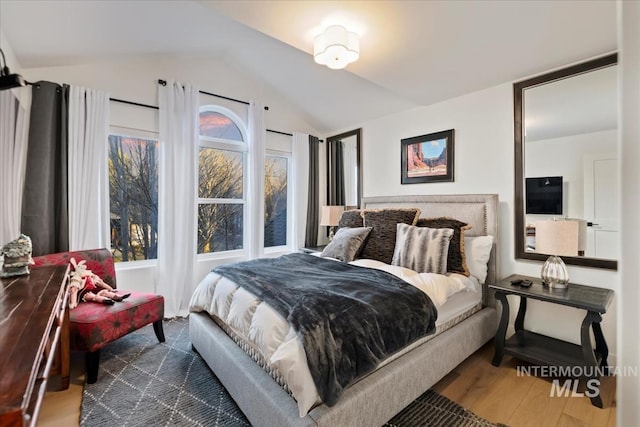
pixel 456 262
pixel 351 218
pixel 422 249
pixel 382 240
pixel 346 243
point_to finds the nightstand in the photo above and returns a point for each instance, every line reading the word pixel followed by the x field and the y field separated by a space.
pixel 543 350
pixel 313 249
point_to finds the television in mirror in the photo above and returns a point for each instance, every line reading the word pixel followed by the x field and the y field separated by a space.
pixel 544 195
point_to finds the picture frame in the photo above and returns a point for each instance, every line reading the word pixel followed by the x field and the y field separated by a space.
pixel 427 158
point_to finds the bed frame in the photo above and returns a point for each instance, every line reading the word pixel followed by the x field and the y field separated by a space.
pixel 378 397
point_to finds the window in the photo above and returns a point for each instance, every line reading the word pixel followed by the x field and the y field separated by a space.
pixel 221 181
pixel 133 197
pixel 275 200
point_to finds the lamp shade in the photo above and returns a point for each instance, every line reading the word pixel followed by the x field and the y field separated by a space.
pixel 557 237
pixel 336 47
pixel 330 215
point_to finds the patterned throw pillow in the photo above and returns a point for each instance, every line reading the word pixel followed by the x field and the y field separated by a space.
pixel 351 218
pixel 382 240
pixel 422 249
pixel 346 243
pixel 456 259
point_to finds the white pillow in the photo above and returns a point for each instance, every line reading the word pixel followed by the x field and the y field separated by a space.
pixel 438 286
pixel 477 250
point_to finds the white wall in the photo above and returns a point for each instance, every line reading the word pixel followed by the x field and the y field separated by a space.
pixel 484 163
pixel 12 61
pixel 565 157
pixel 136 81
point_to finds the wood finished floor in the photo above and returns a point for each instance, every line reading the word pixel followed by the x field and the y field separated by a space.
pixel 496 394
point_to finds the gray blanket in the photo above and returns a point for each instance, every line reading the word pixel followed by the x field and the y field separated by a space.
pixel 350 318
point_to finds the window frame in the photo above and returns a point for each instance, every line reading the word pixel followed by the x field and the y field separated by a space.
pixel 126 132
pixel 227 145
pixel 289 241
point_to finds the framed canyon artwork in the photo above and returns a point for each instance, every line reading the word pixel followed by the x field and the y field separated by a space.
pixel 427 158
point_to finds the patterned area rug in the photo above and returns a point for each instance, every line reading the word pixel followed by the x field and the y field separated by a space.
pixel 144 383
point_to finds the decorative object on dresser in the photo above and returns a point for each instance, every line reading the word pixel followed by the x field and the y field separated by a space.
pixel 92 325
pixel 427 158
pixel 543 350
pixel 34 332
pixel 17 257
pixel 330 216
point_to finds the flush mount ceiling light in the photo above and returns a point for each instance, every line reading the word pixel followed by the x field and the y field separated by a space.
pixel 336 47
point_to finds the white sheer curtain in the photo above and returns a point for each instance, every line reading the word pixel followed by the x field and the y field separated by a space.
pixel 88 169
pixel 14 132
pixel 177 190
pixel 300 172
pixel 257 138
pixel 349 168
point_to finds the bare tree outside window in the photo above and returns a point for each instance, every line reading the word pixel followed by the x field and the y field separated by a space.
pixel 220 223
pixel 275 201
pixel 133 197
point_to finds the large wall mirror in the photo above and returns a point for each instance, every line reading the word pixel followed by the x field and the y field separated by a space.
pixel 566 163
pixel 344 174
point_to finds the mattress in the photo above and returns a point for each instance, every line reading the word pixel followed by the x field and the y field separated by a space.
pixel 267 338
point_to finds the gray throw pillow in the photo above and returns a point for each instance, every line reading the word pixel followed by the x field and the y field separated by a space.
pixel 346 243
pixel 422 249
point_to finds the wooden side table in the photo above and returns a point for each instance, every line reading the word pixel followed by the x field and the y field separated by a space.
pixel 539 349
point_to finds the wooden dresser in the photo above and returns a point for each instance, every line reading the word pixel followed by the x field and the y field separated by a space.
pixel 34 341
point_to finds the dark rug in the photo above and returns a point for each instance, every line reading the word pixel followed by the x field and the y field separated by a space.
pixel 145 383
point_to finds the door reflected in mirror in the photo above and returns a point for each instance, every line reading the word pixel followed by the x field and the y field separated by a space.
pixel 344 176
pixel 566 162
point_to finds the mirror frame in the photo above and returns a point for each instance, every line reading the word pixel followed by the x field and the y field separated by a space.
pixel 358 134
pixel 518 120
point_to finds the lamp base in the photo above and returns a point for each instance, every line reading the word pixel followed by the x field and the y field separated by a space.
pixel 554 273
pixel 331 228
pixel 553 285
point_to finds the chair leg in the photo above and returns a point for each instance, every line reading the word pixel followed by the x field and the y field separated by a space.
pixel 157 328
pixel 92 361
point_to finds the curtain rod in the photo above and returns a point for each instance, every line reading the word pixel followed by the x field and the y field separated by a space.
pixel 154 107
pixel 138 104
pixel 164 83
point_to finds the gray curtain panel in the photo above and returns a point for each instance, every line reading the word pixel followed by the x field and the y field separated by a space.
pixel 337 192
pixel 44 204
pixel 313 208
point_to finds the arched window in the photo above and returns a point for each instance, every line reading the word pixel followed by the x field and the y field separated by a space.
pixel 222 160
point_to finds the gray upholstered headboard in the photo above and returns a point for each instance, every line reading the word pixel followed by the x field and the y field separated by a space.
pixel 478 210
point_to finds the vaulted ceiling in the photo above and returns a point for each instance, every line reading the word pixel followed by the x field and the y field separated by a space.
pixel 412 52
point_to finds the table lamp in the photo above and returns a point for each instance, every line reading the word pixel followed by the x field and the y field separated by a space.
pixel 556 238
pixel 330 216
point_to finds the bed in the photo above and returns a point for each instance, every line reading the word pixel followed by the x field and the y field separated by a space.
pixel 380 395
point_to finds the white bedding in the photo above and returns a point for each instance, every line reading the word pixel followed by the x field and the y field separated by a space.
pixel 270 334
